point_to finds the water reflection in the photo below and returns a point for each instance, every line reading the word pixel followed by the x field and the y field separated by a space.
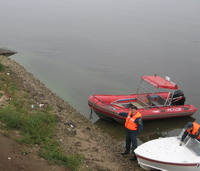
pixel 152 129
pixel 163 128
pixel 114 129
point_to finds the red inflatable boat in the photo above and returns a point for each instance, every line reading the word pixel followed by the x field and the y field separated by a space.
pixel 156 98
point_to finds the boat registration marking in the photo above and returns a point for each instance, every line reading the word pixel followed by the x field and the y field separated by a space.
pixel 156 111
pixel 168 110
pixel 174 110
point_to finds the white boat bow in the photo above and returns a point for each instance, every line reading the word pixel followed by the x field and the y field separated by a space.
pixel 167 154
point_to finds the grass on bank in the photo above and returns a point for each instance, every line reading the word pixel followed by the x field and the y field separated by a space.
pixel 37 126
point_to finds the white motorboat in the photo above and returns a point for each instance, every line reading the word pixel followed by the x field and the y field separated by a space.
pixel 167 154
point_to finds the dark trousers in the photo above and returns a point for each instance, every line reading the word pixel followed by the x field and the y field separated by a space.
pixel 131 140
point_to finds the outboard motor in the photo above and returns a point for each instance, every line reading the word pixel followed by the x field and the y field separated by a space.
pixel 178 98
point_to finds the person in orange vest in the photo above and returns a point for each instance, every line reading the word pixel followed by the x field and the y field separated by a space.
pixel 133 126
pixel 193 130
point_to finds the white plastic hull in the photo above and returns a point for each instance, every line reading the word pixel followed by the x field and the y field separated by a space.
pixel 167 154
pixel 148 164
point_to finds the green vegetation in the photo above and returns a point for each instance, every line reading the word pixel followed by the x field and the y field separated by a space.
pixel 37 126
pixel 53 153
pixel 1 67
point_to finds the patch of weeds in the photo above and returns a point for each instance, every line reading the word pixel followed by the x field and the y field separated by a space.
pixel 53 153
pixel 36 128
pixel 39 127
pixel 25 139
pixel 2 77
pixel 1 67
pixel 48 109
pixel 11 118
pixel 18 104
pixel 26 95
pixel 75 161
pixel 1 94
pixel 13 88
pixel 1 86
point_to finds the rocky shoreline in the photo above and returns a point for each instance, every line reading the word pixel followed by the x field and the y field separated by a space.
pixel 99 150
pixel 6 52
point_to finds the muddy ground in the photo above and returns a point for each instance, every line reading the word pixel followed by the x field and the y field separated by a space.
pixel 16 157
pixel 101 152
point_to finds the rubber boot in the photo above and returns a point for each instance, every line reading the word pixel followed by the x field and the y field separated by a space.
pixel 125 153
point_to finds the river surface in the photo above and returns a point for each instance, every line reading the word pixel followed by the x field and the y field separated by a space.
pixel 83 47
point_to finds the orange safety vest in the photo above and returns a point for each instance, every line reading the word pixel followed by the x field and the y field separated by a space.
pixel 130 124
pixel 195 129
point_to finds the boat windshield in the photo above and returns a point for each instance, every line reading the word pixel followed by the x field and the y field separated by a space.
pixel 191 143
pixel 194 146
pixel 153 96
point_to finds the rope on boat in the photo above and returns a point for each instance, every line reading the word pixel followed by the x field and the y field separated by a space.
pixel 91 111
pixel 91 108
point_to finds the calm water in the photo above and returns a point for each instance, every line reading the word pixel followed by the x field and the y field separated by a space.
pixel 83 47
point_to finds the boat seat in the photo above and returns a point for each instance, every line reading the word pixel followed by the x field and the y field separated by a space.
pixel 158 101
pixel 137 105
pixel 143 100
pixel 127 105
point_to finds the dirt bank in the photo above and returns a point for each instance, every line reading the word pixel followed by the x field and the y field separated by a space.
pixel 16 157
pixel 100 151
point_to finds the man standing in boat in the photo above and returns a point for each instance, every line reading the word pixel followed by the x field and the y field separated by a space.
pixel 193 130
pixel 133 126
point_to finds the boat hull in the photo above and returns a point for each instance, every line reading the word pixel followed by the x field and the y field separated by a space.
pixel 109 116
pixel 149 164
